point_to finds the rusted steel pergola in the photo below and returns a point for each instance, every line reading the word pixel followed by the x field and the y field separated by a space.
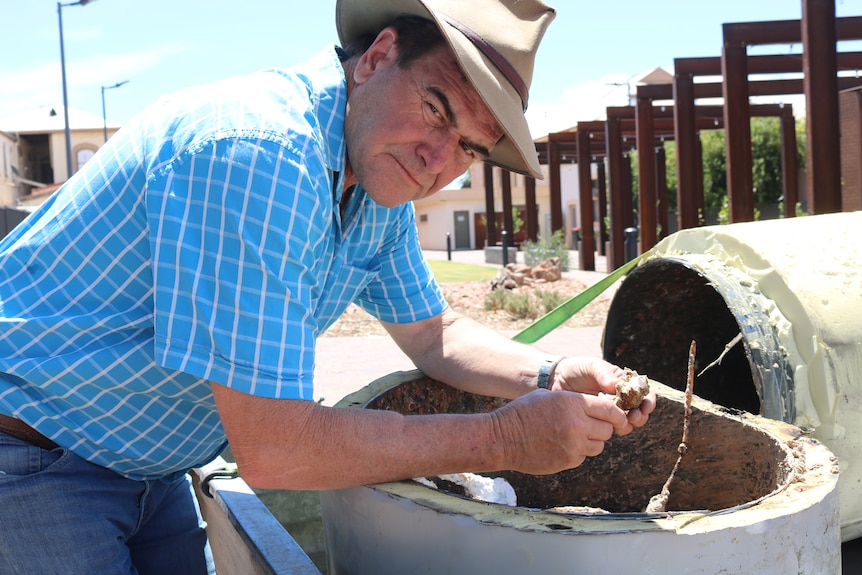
pixel 609 142
pixel 818 31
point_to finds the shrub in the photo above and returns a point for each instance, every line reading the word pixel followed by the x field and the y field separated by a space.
pixel 520 305
pixel 549 299
pixel 541 250
pixel 523 305
pixel 496 300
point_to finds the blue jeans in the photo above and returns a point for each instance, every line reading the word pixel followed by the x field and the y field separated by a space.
pixel 62 514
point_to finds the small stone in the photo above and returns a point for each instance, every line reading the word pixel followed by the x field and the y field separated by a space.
pixel 631 390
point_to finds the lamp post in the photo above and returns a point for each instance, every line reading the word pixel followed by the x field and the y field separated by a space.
pixel 104 114
pixel 60 6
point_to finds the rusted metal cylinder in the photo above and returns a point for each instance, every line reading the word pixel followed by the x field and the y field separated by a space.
pixel 793 289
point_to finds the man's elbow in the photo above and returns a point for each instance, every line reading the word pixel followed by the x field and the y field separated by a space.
pixel 262 472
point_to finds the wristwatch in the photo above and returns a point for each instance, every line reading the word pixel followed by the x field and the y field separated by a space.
pixel 545 371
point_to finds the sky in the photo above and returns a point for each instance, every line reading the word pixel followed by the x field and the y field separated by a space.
pixel 591 50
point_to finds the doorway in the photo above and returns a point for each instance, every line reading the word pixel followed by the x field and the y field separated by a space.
pixel 462 230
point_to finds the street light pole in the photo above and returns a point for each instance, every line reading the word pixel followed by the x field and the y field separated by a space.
pixel 60 6
pixel 104 113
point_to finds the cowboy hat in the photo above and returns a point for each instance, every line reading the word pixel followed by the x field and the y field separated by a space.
pixel 494 41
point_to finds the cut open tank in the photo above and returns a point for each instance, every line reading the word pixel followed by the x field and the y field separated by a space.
pixel 750 485
pixel 793 289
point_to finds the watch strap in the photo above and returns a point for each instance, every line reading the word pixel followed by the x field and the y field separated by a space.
pixel 543 380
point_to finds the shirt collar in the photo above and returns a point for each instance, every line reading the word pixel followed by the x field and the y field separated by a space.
pixel 329 89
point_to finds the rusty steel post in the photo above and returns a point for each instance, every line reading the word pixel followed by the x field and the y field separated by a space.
pixel 614 151
pixel 603 207
pixel 532 223
pixel 490 210
pixel 789 169
pixel 661 190
pixel 587 247
pixel 646 173
pixel 555 185
pixel 820 69
pixel 701 216
pixel 737 132
pixel 687 159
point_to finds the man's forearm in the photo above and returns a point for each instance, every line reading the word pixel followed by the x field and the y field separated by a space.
pixel 463 353
pixel 332 448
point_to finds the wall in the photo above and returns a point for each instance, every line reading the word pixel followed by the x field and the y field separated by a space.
pixel 7 160
pixel 438 210
pixel 80 138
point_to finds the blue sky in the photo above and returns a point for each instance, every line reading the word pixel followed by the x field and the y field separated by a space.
pixel 159 46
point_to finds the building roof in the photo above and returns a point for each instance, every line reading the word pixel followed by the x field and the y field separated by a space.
pixel 50 119
pixel 654 76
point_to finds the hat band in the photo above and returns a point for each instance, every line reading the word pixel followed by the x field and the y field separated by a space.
pixel 493 55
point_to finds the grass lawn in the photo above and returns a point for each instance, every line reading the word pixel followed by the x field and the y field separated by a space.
pixel 448 272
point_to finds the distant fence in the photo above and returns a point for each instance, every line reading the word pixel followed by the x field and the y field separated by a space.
pixel 9 218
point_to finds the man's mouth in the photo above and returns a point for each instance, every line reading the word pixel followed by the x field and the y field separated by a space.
pixel 408 174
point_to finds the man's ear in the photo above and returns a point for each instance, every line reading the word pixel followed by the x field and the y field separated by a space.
pixel 382 53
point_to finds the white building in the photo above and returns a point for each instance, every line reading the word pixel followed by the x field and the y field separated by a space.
pixel 461 212
pixel 33 151
pixel 8 148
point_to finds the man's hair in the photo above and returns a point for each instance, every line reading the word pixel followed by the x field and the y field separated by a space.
pixel 417 36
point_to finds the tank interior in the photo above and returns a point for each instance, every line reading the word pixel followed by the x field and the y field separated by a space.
pixel 727 464
pixel 657 311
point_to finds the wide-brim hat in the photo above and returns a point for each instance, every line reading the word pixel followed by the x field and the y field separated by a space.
pixel 494 41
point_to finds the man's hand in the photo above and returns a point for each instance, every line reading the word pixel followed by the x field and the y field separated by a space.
pixel 546 432
pixel 591 376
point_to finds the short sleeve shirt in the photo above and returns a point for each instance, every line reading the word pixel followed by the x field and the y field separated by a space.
pixel 203 243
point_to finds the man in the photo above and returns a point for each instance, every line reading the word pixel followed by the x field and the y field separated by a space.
pixel 168 297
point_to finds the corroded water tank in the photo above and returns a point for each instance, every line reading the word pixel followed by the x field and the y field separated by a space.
pixel 753 495
pixel 793 288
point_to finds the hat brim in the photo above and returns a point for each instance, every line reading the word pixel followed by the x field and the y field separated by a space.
pixel 516 150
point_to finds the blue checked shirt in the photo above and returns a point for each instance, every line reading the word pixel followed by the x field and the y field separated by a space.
pixel 203 243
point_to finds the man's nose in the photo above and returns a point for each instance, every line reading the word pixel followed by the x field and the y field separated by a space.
pixel 438 151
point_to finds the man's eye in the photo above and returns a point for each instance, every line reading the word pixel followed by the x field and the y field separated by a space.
pixel 468 150
pixel 436 118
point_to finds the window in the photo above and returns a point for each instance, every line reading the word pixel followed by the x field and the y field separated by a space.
pixel 82 156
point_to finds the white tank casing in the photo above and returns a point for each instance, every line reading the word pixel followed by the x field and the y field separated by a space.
pixel 794 288
pixel 790 527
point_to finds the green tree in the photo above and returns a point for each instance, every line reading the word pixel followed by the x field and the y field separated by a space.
pixel 714 168
pixel 670 174
pixel 765 162
pixel 517 220
pixel 670 170
pixel 766 165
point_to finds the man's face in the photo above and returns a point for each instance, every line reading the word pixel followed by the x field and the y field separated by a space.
pixel 410 131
